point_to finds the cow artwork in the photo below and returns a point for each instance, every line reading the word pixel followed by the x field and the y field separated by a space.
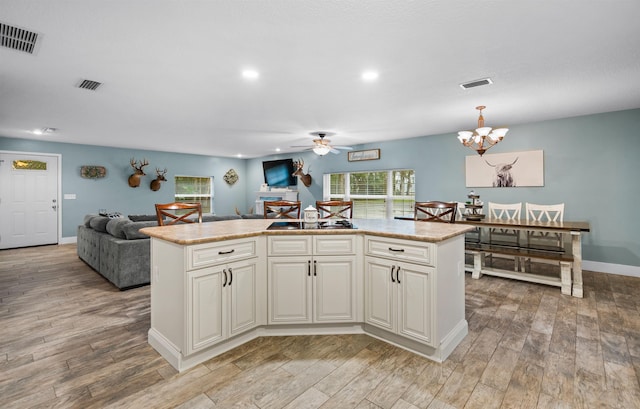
pixel 509 169
pixel 503 176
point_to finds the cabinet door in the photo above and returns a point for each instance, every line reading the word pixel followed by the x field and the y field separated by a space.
pixel 243 309
pixel 289 284
pixel 205 312
pixel 380 293
pixel 334 289
pixel 415 303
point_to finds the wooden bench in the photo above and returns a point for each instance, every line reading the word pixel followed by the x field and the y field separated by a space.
pixel 563 256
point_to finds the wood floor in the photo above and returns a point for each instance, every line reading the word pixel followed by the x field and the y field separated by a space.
pixel 70 339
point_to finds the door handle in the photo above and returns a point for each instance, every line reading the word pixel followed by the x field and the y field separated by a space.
pixel 309 268
pixel 231 275
pixel 225 278
pixel 315 268
pixel 398 274
pixel 392 279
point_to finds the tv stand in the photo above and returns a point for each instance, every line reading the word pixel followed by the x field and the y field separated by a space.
pixel 291 195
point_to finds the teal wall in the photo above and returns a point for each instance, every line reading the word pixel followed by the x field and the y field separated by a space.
pixel 113 192
pixel 590 163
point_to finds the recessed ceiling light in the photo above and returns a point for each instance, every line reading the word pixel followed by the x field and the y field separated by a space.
pixel 250 74
pixel 277 149
pixel 369 76
pixel 239 155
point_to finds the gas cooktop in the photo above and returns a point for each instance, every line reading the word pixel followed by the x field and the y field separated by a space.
pixel 320 225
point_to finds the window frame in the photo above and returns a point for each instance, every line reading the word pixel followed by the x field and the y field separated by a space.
pixel 185 197
pixel 388 197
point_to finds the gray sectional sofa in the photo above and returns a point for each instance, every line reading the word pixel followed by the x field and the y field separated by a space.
pixel 116 249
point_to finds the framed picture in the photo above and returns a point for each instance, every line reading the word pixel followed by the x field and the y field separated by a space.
pixel 369 154
pixel 513 169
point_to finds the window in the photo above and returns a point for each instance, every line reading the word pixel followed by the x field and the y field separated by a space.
pixel 376 194
pixel 194 189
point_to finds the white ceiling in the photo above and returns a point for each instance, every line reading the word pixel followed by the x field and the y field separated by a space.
pixel 171 69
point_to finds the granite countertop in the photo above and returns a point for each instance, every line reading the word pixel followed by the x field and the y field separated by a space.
pixel 197 233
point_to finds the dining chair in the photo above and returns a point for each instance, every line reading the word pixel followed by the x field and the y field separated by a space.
pixel 541 240
pixel 281 209
pixel 178 212
pixel 335 209
pixel 435 211
pixel 502 236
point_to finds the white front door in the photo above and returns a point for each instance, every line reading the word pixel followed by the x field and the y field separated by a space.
pixel 28 199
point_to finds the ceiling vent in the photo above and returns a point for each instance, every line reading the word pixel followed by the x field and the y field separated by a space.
pixel 90 85
pixel 476 83
pixel 17 38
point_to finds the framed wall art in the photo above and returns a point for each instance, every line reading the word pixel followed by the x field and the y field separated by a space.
pixel 369 154
pixel 513 169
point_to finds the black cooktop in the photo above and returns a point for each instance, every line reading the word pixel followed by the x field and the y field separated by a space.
pixel 320 225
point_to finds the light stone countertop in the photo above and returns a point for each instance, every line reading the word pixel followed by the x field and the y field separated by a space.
pixel 197 233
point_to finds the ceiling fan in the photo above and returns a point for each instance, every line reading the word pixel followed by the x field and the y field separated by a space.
pixel 322 146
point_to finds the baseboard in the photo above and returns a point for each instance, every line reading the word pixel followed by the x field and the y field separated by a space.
pixel 621 269
pixel 68 240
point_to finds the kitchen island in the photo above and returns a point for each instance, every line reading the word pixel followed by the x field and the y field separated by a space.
pixel 215 286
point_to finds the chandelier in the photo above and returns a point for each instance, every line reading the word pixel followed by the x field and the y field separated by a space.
pixel 483 137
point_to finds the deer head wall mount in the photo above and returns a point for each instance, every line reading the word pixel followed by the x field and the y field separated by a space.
pixel 155 183
pixel 304 177
pixel 134 179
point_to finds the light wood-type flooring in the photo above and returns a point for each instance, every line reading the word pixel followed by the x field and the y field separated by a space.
pixel 70 339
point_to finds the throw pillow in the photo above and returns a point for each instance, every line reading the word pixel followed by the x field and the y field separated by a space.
pixel 115 227
pixel 99 223
pixel 143 217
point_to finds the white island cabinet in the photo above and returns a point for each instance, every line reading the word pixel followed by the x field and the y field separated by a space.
pixel 215 286
pixel 205 294
pixel 414 293
pixel 313 279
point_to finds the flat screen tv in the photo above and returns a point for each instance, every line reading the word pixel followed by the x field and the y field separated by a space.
pixel 279 173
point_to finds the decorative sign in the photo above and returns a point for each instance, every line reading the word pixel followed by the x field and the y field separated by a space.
pixel 370 154
pixel 27 164
pixel 93 172
pixel 230 177
pixel 514 169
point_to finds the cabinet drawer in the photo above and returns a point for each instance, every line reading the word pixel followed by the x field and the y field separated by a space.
pixel 203 255
pixel 334 245
pixel 294 245
pixel 397 249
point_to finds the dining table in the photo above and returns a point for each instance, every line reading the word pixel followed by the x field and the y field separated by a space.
pixel 569 257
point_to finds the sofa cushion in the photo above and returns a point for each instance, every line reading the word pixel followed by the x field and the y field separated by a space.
pixel 132 230
pixel 99 223
pixel 252 216
pixel 115 227
pixel 87 219
pixel 143 217
pixel 215 218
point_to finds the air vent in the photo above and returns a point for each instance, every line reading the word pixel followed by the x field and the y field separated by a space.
pixel 90 85
pixel 476 83
pixel 17 38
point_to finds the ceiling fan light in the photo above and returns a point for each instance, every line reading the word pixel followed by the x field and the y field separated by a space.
pixel 321 150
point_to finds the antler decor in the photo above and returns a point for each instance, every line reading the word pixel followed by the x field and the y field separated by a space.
pixel 134 179
pixel 155 183
pixel 304 177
